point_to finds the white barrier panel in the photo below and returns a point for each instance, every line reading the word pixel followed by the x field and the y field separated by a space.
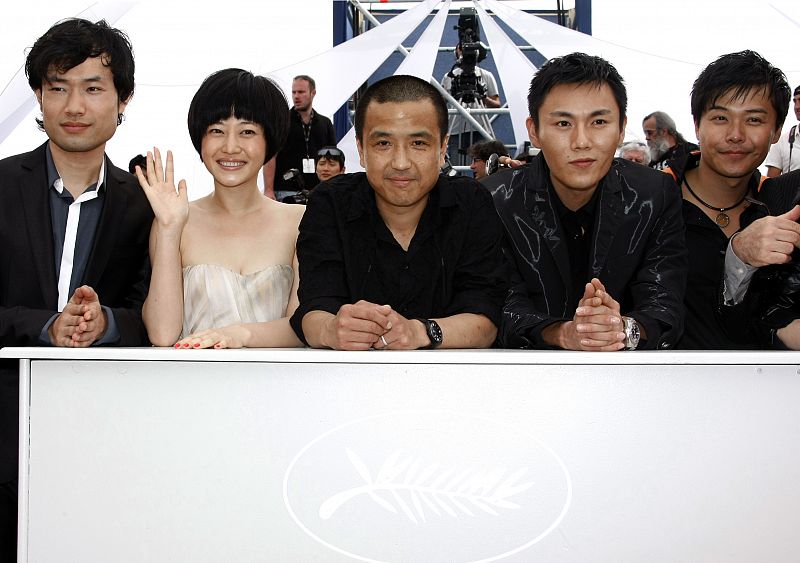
pixel 432 456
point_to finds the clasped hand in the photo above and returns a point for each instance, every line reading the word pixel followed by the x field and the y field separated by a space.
pixel 81 323
pixel 597 324
pixel 366 325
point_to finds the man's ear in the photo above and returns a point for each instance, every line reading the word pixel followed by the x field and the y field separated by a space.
pixel 443 151
pixel 532 135
pixel 622 130
pixel 361 160
pixel 38 93
pixel 776 135
pixel 123 104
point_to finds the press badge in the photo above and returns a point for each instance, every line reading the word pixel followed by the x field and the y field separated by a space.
pixel 308 166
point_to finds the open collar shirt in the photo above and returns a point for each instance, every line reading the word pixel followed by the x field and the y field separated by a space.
pixel 453 263
pixel 74 224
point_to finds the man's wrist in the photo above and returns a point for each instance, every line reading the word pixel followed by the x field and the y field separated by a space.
pixel 734 243
pixel 553 335
pixel 421 332
pixel 50 332
pixel 324 329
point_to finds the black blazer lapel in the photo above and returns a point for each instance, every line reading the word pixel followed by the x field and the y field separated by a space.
pixel 543 216
pixel 33 195
pixel 607 222
pixel 111 219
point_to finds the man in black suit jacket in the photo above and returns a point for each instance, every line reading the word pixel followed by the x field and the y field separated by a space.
pixel 74 228
pixel 595 244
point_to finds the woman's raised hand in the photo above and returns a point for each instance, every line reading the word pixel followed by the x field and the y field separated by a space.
pixel 170 206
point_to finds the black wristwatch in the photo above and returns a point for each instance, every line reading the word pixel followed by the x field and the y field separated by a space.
pixel 434 333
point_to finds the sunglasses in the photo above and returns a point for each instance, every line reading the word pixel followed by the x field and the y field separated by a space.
pixel 322 153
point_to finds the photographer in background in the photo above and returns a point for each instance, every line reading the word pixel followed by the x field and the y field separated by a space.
pixel 480 152
pixel 472 86
pixel 293 168
pixel 329 162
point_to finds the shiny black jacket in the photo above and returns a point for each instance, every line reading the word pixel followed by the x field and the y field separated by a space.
pixel 637 251
pixel 773 298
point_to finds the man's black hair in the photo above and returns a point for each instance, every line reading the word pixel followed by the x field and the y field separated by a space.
pixel 740 74
pixel 397 89
pixel 139 160
pixel 482 150
pixel 234 92
pixel 578 69
pixel 70 42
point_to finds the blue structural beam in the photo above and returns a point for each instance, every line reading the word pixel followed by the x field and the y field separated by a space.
pixel 342 31
pixel 583 16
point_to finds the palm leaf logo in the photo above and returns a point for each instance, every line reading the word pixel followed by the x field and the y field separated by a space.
pixel 402 485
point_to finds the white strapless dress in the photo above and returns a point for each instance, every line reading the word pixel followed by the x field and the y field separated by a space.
pixel 214 296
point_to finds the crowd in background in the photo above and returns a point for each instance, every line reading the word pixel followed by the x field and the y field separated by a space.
pixel 589 244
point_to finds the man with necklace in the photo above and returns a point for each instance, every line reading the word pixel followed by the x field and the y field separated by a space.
pixel 739 103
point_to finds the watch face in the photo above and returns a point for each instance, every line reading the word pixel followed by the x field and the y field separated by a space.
pixel 434 332
pixel 632 334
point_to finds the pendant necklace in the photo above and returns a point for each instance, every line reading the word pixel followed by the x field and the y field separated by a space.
pixel 722 220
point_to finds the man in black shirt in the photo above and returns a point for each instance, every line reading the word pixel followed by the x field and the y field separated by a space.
pixel 400 257
pixel 596 243
pixel 739 103
pixel 308 132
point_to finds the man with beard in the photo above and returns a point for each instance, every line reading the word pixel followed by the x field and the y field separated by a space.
pixel 308 132
pixel 664 141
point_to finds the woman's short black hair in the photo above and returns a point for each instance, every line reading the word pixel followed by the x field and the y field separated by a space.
pixel 70 42
pixel 234 92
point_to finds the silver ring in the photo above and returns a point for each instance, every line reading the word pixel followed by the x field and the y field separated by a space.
pixel 384 341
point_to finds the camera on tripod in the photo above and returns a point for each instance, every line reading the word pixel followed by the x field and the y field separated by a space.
pixel 466 87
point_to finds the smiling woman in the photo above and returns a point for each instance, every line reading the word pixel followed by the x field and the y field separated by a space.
pixel 224 266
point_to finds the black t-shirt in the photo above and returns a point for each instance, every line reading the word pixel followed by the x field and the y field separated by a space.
pixel 302 142
pixel 707 244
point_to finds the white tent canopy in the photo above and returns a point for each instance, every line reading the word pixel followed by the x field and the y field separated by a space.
pixel 658 47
